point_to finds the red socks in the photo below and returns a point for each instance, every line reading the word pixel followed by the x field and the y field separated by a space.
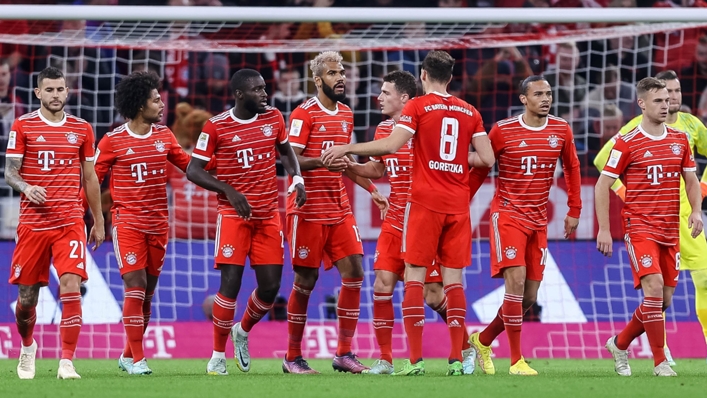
pixel 414 318
pixel 632 330
pixel 254 312
pixel 441 309
pixel 296 320
pixel 70 326
pixel 223 311
pixel 347 312
pixel 383 321
pixel 146 312
pixel 512 311
pixel 654 323
pixel 25 318
pixel 456 313
pixel 493 330
pixel 134 321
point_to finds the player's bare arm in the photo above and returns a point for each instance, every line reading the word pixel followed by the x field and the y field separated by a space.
pixel 484 156
pixel 306 163
pixel 196 173
pixel 694 195
pixel 601 204
pixel 289 162
pixel 385 146
pixel 34 193
pixel 371 169
pixel 93 194
pixel 380 200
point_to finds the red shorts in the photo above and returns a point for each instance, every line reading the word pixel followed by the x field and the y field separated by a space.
pixel 260 240
pixel 513 245
pixel 428 235
pixel 649 257
pixel 35 250
pixel 310 243
pixel 136 250
pixel 389 257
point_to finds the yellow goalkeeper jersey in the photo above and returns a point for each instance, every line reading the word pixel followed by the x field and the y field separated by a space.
pixel 693 251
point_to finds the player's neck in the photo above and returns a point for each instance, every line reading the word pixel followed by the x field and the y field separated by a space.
pixel 396 117
pixel 139 126
pixel 534 120
pixel 672 118
pixel 436 88
pixel 241 113
pixel 653 128
pixel 326 102
pixel 54 117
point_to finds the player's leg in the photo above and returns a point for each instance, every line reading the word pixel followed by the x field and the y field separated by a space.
pixel 29 271
pixel 384 316
pixel 669 263
pixel 699 279
pixel 306 245
pixel 343 247
pixel 69 252
pixel 693 258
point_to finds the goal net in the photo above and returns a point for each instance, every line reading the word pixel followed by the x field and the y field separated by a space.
pixel 593 70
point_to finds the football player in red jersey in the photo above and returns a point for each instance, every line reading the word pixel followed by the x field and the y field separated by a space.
pixel 244 141
pixel 49 156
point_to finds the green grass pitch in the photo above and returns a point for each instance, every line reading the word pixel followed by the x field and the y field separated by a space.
pixel 187 378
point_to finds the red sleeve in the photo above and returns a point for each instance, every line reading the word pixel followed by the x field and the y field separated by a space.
pixel 300 127
pixel 206 144
pixel 282 133
pixel 618 159
pixel 409 118
pixel 104 159
pixel 16 141
pixel 573 177
pixel 176 154
pixel 377 136
pixel 478 175
pixel 87 152
pixel 688 159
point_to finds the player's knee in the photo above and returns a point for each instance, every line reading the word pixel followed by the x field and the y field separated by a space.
pixel 69 283
pixel 306 277
pixel 350 267
pixel 28 296
pixel 384 285
pixel 652 285
pixel 268 291
pixel 434 298
pixel 528 302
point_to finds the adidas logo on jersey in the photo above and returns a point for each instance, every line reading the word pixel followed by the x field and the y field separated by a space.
pixel 522 144
pixel 41 139
pixel 322 128
pixel 434 273
pixel 647 154
pixel 236 138
pixel 80 266
pixel 130 151
pixel 420 323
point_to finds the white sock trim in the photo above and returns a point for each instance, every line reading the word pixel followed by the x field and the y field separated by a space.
pixel 218 355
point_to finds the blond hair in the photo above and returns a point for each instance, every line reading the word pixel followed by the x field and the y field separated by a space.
pixel 317 64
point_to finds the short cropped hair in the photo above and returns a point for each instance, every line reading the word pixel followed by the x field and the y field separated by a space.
pixel 648 84
pixel 403 81
pixel 438 65
pixel 317 64
pixel 667 75
pixel 525 83
pixel 51 73
pixel 239 79
pixel 134 91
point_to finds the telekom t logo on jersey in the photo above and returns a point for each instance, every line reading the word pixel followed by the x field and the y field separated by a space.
pixel 528 163
pixel 392 166
pixel 138 170
pixel 45 159
pixel 326 145
pixel 245 156
pixel 654 173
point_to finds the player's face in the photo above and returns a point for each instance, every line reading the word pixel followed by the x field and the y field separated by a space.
pixel 655 105
pixel 538 98
pixel 52 94
pixel 675 94
pixel 153 109
pixel 390 99
pixel 254 97
pixel 333 81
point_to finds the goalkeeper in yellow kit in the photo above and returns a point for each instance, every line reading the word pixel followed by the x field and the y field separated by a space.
pixel 693 252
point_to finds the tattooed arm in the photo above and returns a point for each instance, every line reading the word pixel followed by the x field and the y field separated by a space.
pixel 34 193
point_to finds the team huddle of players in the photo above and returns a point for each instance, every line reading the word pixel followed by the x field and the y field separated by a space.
pixel 436 153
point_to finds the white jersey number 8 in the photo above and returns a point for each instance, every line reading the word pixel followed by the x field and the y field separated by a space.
pixel 448 142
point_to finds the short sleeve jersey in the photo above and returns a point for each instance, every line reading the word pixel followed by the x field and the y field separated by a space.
pixel 245 154
pixel 51 158
pixel 443 127
pixel 651 168
pixel 314 128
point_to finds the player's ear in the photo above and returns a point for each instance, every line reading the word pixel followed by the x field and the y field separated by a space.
pixel 318 81
pixel 36 92
pixel 523 99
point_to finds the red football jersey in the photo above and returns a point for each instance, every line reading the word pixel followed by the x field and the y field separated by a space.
pixel 399 169
pixel 51 158
pixel 651 168
pixel 527 159
pixel 195 216
pixel 315 128
pixel 443 127
pixel 139 174
pixel 245 158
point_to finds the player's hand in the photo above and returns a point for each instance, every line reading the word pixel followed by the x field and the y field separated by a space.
pixel 239 202
pixel 695 222
pixel 98 233
pixel 301 197
pixel 333 153
pixel 605 244
pixel 571 224
pixel 337 165
pixel 36 194
pixel 382 203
